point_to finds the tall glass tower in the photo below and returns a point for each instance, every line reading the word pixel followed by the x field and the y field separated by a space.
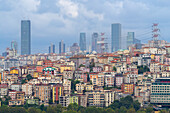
pixel 130 38
pixel 116 37
pixel 82 43
pixel 61 47
pixel 95 37
pixel 25 37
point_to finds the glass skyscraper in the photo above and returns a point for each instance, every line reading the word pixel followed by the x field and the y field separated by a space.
pixel 94 41
pixel 82 43
pixel 61 47
pixel 52 48
pixel 25 37
pixel 130 38
pixel 115 37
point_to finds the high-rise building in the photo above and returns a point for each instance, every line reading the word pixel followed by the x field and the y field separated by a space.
pixel 82 43
pixel 94 41
pixel 115 37
pixel 61 47
pixel 130 38
pixel 52 48
pixel 25 37
pixel 14 47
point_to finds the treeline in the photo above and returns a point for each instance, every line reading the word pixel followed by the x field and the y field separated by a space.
pixel 125 105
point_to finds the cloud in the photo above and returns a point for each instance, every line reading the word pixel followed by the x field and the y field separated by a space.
pixel 53 20
pixel 68 8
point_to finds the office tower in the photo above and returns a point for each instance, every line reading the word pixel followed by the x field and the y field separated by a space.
pixel 82 43
pixel 25 37
pixel 61 47
pixel 115 37
pixel 130 38
pixel 52 48
pixel 94 41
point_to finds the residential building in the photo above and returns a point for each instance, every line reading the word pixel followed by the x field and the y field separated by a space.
pixel 27 88
pixel 127 88
pixel 96 98
pixel 3 90
pixel 68 74
pixel 42 91
pixel 57 91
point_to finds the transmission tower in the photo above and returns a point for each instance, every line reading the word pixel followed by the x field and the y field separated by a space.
pixel 155 34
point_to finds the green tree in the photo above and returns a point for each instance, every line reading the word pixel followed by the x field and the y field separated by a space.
pixel 42 107
pixel 149 110
pixel 50 101
pixel 114 68
pixel 109 110
pixel 29 77
pixel 33 110
pixel 131 110
pixel 122 109
pixel 23 81
pixel 164 111
pixel 59 108
pixel 81 65
pixel 136 105
pixel 73 106
pixel 51 109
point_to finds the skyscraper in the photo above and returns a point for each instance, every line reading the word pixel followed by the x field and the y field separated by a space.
pixel 14 46
pixel 130 38
pixel 94 41
pixel 25 37
pixel 115 37
pixel 61 47
pixel 82 43
pixel 52 48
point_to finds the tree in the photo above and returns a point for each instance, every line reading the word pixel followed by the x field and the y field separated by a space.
pixel 115 104
pixel 50 101
pixel 59 108
pixel 33 110
pixel 122 109
pixel 29 77
pixel 42 107
pixel 73 106
pixel 109 110
pixel 81 65
pixel 114 68
pixel 51 109
pixel 164 111
pixel 149 109
pixel 136 105
pixel 131 110
pixel 23 81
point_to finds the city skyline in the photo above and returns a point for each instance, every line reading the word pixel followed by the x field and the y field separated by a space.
pixel 63 23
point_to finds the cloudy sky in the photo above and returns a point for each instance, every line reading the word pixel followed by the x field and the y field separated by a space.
pixel 55 20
